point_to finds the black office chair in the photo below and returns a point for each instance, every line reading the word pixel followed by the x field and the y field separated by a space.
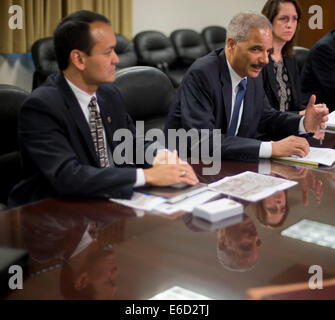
pixel 301 55
pixel 188 44
pixel 155 49
pixel 148 94
pixel 11 99
pixel 214 37
pixel 125 51
pixel 44 58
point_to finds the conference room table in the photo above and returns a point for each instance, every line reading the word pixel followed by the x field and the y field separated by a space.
pixel 133 254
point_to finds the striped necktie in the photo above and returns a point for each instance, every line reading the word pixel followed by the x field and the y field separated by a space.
pixel 97 133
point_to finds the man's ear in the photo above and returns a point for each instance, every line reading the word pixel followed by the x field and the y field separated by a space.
pixel 230 43
pixel 81 281
pixel 78 59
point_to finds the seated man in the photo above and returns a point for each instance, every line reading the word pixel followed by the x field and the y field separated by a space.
pixel 318 74
pixel 223 91
pixel 66 126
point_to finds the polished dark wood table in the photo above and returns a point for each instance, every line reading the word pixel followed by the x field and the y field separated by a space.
pixel 136 255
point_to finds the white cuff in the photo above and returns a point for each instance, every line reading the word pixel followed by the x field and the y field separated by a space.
pixel 140 178
pixel 301 126
pixel 265 151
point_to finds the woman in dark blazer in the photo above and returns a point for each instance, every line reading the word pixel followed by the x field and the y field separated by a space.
pixel 281 74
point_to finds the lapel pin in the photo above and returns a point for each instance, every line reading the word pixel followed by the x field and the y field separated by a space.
pixel 109 119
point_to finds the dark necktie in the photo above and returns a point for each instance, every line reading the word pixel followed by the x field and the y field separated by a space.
pixel 97 133
pixel 237 106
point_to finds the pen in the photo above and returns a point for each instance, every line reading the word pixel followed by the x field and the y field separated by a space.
pixel 323 106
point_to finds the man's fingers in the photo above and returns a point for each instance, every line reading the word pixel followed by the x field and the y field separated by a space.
pixel 311 101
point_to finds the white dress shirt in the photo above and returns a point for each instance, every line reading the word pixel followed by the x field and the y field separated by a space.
pixel 84 100
pixel 265 150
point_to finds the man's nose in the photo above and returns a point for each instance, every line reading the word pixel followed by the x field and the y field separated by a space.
pixel 264 59
pixel 115 59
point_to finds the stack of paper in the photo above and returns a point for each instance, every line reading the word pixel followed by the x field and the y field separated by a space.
pixel 316 156
pixel 218 210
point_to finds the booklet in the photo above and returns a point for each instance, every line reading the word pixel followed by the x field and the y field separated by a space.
pixel 316 157
pixel 251 186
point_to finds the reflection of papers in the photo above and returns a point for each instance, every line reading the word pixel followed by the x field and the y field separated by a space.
pixel 140 201
pixel 324 156
pixel 251 186
pixel 186 205
pixel 331 121
pixel 154 204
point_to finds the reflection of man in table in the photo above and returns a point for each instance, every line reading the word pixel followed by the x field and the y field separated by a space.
pixel 273 210
pixel 90 273
pixel 239 246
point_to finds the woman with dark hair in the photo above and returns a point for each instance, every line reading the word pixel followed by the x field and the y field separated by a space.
pixel 281 74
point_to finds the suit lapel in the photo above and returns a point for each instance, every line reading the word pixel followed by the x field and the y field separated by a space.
pixel 107 120
pixel 248 111
pixel 77 115
pixel 226 85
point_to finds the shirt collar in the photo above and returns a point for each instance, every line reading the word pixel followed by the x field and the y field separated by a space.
pixel 83 97
pixel 235 78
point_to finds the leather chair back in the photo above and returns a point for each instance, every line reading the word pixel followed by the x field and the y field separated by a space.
pixel 44 58
pixel 301 54
pixel 188 44
pixel 147 93
pixel 214 37
pixel 11 99
pixel 154 49
pixel 125 51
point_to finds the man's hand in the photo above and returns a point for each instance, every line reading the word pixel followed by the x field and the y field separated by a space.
pixel 315 116
pixel 289 146
pixel 168 169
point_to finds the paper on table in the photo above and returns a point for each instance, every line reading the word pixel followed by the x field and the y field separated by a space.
pixel 251 186
pixel 316 156
pixel 187 204
pixel 140 201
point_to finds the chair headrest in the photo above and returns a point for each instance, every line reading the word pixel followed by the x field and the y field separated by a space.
pixel 214 37
pixel 44 56
pixel 147 91
pixel 125 51
pixel 188 44
pixel 153 48
pixel 11 99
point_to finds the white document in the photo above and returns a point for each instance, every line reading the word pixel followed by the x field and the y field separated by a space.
pixel 251 186
pixel 331 121
pixel 316 156
pixel 187 204
pixel 140 201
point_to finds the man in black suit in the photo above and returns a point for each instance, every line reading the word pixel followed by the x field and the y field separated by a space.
pixel 66 126
pixel 318 74
pixel 209 94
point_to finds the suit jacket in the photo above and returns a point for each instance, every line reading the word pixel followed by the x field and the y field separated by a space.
pixel 318 74
pixel 204 101
pixel 270 84
pixel 57 149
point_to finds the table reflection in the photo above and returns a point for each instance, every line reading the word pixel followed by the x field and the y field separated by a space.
pixel 238 246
